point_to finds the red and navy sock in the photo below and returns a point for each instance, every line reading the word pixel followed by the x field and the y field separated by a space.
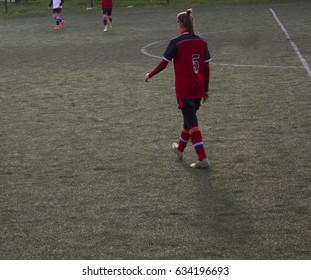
pixel 183 140
pixel 197 141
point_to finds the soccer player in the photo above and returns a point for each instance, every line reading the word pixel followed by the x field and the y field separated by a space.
pixel 191 65
pixel 57 7
pixel 107 13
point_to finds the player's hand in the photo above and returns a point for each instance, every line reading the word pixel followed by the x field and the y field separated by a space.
pixel 49 8
pixel 205 96
pixel 147 77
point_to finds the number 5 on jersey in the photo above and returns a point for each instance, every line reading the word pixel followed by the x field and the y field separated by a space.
pixel 196 65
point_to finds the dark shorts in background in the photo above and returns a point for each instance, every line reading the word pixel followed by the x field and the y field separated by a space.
pixel 107 11
pixel 57 11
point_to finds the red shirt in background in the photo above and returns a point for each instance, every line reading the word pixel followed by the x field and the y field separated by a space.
pixel 107 4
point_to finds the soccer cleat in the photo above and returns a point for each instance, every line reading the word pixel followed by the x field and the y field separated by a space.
pixel 110 25
pixel 56 27
pixel 178 153
pixel 63 23
pixel 201 164
pixel 105 29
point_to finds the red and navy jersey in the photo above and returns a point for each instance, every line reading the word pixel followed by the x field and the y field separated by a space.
pixel 190 54
pixel 107 4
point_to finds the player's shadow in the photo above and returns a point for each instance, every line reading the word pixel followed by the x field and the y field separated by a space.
pixel 224 221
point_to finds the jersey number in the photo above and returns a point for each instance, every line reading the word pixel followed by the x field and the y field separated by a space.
pixel 196 65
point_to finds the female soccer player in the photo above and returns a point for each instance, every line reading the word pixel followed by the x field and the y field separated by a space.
pixel 56 5
pixel 107 13
pixel 192 72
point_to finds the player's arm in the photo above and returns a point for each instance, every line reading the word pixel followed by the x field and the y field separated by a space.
pixel 206 80
pixel 161 66
pixel 61 3
pixel 51 3
pixel 207 60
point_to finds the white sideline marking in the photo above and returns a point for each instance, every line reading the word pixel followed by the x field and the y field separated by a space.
pixel 294 46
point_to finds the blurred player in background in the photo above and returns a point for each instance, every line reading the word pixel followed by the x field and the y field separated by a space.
pixel 57 7
pixel 191 65
pixel 107 13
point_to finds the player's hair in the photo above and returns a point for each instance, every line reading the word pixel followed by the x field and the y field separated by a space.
pixel 186 21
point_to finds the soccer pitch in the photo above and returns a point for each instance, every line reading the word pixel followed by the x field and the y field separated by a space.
pixel 86 167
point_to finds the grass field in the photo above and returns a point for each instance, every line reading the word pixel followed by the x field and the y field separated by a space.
pixel 86 169
pixel 29 8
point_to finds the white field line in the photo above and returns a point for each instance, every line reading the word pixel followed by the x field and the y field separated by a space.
pixel 292 43
pixel 144 51
pixel 255 65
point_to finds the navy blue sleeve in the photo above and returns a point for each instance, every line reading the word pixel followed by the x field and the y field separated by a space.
pixel 171 51
pixel 207 57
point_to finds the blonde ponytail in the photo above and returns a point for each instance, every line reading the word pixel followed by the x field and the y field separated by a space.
pixel 186 21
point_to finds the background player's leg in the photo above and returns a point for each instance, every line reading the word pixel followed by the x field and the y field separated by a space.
pixel 105 21
pixel 57 21
pixel 110 20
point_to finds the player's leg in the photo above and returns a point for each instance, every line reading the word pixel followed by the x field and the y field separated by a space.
pixel 61 21
pixel 184 138
pixel 184 135
pixel 56 17
pixel 105 16
pixel 182 143
pixel 195 133
pixel 110 17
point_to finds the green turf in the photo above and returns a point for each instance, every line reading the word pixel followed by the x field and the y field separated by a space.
pixel 29 8
pixel 86 170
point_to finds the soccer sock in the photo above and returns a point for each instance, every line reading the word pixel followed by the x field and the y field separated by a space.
pixel 183 140
pixel 105 22
pixel 197 141
pixel 58 21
